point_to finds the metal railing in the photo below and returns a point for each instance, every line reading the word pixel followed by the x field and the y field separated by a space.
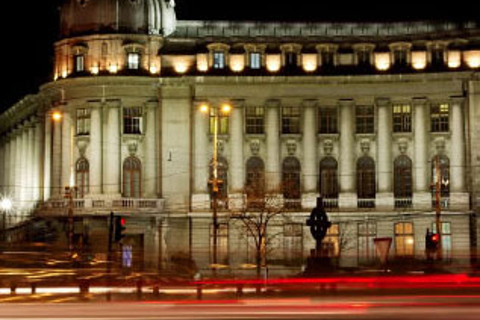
pixel 403 203
pixel 366 203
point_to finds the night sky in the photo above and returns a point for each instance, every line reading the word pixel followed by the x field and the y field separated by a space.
pixel 29 28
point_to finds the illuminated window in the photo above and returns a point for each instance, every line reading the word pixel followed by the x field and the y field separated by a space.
pixel 331 243
pixel 223 122
pixel 404 239
pixel 367 232
pixel 290 120
pixel 291 182
pixel 329 178
pixel 132 178
pixel 327 120
pixel 222 244
pixel 83 122
pixel 132 120
pixel 439 117
pixel 218 60
pixel 293 242
pixel 255 120
pixel 255 60
pixel 133 61
pixel 365 119
pixel 402 118
pixel 82 175
pixel 255 184
pixel 446 239
pixel 79 63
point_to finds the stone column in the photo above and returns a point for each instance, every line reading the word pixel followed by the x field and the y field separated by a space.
pixel 56 183
pixel 237 171
pixel 2 164
pixel 67 160
pixel 422 198
pixel 111 149
pixel 95 158
pixel 273 167
pixel 13 165
pixel 6 167
pixel 47 164
pixel 310 158
pixel 31 160
pixel 150 152
pixel 201 198
pixel 384 199
pixel 459 199
pixel 25 163
pixel 348 195
pixel 38 160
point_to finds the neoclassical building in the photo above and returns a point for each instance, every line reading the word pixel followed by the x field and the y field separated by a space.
pixel 363 114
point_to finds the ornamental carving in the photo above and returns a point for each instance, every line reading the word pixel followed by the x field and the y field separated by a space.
pixel 365 146
pixel 403 146
pixel 255 147
pixel 328 147
pixel 291 147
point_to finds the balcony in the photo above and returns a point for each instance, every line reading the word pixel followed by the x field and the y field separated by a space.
pixel 403 203
pixel 366 203
pixel 330 203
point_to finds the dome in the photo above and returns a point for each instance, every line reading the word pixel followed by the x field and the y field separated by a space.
pixel 84 17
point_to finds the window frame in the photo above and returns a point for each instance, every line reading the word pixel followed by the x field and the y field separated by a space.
pixel 291 120
pixel 82 178
pixel 440 117
pixel 219 60
pixel 406 239
pixel 402 118
pixel 327 120
pixel 133 120
pixel 129 175
pixel 255 120
pixel 79 63
pixel 365 119
pixel 83 121
pixel 134 64
pixel 255 60
pixel 328 178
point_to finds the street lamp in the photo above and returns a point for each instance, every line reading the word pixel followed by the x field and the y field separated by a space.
pixel 224 109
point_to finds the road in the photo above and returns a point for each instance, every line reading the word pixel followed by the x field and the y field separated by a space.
pixel 380 307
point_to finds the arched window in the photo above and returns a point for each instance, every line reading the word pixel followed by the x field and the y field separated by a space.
pixel 222 172
pixel 82 177
pixel 291 182
pixel 403 177
pixel 328 184
pixel 132 178
pixel 366 187
pixel 444 166
pixel 255 186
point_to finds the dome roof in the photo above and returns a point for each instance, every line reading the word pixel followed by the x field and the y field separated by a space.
pixel 83 17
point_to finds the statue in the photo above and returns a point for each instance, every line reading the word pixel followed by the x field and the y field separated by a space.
pixel 319 224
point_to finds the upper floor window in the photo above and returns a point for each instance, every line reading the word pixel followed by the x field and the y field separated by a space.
pixel 290 59
pixel 400 58
pixel 328 59
pixel 79 63
pixel 132 120
pixel 133 61
pixel 365 119
pixel 364 58
pixel 223 122
pixel 132 178
pixel 83 121
pixel 218 60
pixel 255 120
pixel 255 60
pixel 82 173
pixel 291 120
pixel 438 57
pixel 402 118
pixel 327 120
pixel 439 117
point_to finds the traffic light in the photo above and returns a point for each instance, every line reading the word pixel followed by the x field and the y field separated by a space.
pixel 120 229
pixel 432 241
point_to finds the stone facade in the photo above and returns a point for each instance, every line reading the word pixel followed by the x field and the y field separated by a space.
pixel 118 111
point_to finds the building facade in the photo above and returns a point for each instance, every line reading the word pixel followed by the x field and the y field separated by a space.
pixel 370 116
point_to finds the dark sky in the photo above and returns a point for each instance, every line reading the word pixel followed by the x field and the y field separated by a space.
pixel 29 28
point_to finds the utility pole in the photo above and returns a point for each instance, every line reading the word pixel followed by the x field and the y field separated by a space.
pixel 438 208
pixel 215 189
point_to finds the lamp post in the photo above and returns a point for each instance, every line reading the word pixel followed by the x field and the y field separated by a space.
pixel 70 190
pixel 225 109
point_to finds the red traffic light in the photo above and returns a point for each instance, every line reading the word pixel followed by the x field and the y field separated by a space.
pixel 122 222
pixel 435 238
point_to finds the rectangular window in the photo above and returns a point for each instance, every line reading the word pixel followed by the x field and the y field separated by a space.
pixel 438 57
pixel 132 120
pixel 404 239
pixel 83 122
pixel 364 58
pixel 367 232
pixel 291 120
pixel 255 120
pixel 218 60
pixel 290 59
pixel 327 120
pixel 365 118
pixel 402 118
pixel 133 61
pixel 293 241
pixel 328 59
pixel 223 122
pixel 446 239
pixel 331 243
pixel 80 63
pixel 222 243
pixel 400 58
pixel 439 117
pixel 255 60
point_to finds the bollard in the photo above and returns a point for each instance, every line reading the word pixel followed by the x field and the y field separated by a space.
pixel 199 292
pixel 34 288
pixel 13 289
pixel 139 289
pixel 239 291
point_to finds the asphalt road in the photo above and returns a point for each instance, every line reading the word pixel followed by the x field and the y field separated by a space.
pixel 382 307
